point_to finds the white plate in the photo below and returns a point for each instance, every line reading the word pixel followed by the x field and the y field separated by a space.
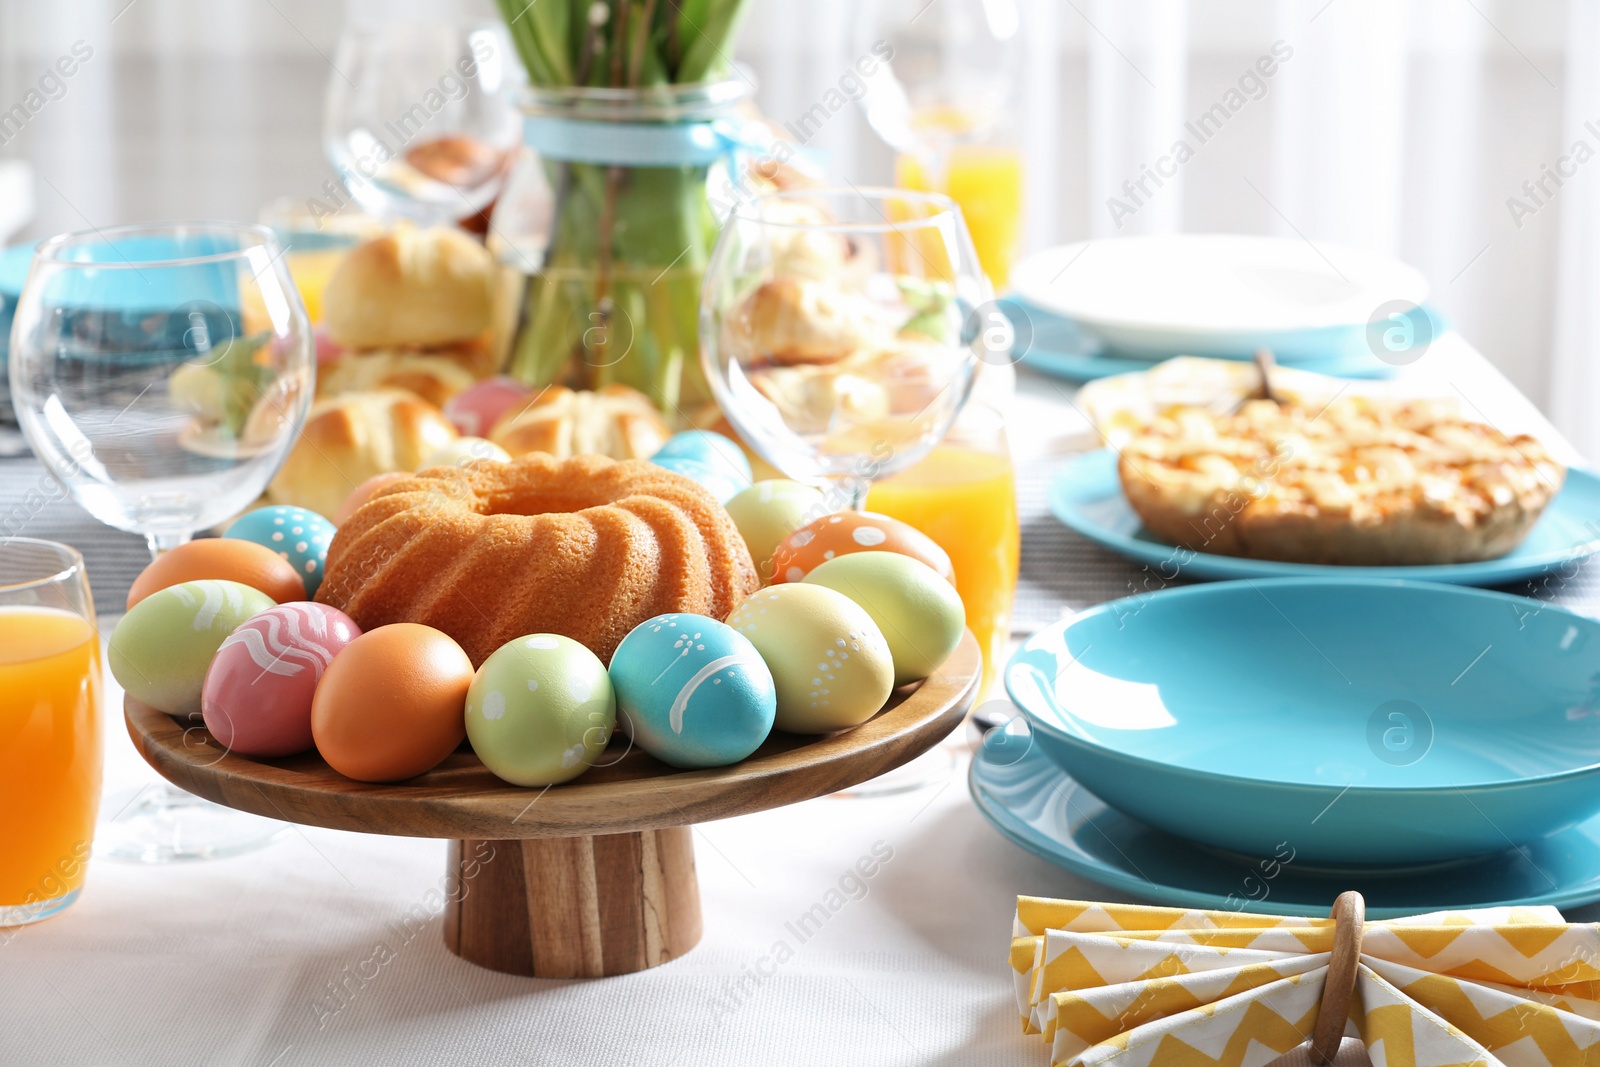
pixel 1218 294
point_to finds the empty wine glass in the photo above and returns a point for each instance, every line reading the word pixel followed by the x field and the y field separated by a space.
pixel 162 373
pixel 418 118
pixel 840 328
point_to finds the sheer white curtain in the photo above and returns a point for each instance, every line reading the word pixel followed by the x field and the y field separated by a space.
pixel 1409 126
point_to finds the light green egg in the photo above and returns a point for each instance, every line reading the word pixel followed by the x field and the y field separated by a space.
pixel 161 649
pixel 830 664
pixel 769 511
pixel 540 710
pixel 919 612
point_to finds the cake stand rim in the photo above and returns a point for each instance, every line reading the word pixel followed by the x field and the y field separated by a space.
pixel 189 758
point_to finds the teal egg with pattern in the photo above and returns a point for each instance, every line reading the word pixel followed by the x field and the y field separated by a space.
pixel 161 649
pixel 299 535
pixel 540 710
pixel 709 449
pixel 692 692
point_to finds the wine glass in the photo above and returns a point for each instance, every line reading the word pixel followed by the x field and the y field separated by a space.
pixel 162 373
pixel 418 118
pixel 839 329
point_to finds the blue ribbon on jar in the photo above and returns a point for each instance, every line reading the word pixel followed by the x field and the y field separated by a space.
pixel 639 144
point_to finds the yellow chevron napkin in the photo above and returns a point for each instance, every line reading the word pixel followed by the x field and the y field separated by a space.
pixel 1136 986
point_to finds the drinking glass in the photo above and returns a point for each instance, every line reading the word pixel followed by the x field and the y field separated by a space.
pixel 944 100
pixel 145 388
pixel 50 706
pixel 964 496
pixel 839 330
pixel 418 119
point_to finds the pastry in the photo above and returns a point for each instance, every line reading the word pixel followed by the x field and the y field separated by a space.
pixel 411 288
pixel 794 320
pixel 348 439
pixel 433 378
pixel 586 547
pixel 1357 481
pixel 613 421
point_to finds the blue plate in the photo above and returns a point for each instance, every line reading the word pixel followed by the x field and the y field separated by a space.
pixel 1086 494
pixel 1033 803
pixel 1362 721
pixel 1059 347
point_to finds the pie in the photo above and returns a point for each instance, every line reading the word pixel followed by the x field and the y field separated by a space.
pixel 1360 481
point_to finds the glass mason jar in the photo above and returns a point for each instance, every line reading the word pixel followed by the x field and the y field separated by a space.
pixel 605 226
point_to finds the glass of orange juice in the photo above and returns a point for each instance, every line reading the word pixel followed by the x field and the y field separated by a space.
pixel 50 755
pixel 986 180
pixel 964 496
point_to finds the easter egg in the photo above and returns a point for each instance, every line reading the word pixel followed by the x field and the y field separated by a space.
pixel 769 511
pixel 475 410
pixel 692 692
pixel 708 449
pixel 365 492
pixel 919 612
pixel 722 481
pixel 161 649
pixel 221 558
pixel 540 710
pixel 853 531
pixel 389 705
pixel 829 662
pixel 465 450
pixel 297 534
pixel 257 695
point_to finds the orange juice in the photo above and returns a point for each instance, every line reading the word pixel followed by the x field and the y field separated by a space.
pixel 50 694
pixel 310 269
pixel 987 182
pixel 966 500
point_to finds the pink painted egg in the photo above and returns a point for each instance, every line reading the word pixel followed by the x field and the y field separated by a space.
pixel 831 536
pixel 257 695
pixel 475 411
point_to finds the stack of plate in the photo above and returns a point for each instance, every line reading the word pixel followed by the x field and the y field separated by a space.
pixel 1109 307
pixel 1266 744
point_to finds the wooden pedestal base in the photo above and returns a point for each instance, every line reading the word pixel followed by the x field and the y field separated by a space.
pixel 574 907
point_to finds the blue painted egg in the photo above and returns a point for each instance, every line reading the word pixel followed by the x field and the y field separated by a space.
pixel 692 692
pixel 297 534
pixel 720 479
pixel 711 449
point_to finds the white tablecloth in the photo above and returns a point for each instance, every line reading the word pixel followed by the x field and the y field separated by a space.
pixel 326 947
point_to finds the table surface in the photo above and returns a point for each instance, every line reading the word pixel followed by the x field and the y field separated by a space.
pixel 326 947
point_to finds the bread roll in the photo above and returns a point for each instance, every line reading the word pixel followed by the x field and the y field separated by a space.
pixel 433 378
pixel 792 320
pixel 612 421
pixel 411 288
pixel 348 439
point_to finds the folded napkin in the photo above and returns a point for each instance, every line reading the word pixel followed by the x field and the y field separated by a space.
pixel 1137 986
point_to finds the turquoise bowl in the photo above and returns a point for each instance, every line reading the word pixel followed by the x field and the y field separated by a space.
pixel 1360 723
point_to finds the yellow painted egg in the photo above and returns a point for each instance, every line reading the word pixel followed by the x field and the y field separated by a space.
pixel 920 613
pixel 829 661
pixel 769 511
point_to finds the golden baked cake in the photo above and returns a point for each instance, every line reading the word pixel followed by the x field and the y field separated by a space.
pixel 1358 481
pixel 586 547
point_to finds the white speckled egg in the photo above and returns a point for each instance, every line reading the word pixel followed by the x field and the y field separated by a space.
pixel 829 660
pixel 161 649
pixel 464 450
pixel 919 612
pixel 298 535
pixel 769 511
pixel 692 692
pixel 540 710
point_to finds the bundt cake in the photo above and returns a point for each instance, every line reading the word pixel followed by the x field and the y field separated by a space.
pixel 586 547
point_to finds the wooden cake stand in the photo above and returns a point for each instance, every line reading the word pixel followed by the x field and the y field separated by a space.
pixel 591 878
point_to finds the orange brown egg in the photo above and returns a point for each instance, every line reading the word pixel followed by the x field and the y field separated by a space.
pixel 224 559
pixel 853 531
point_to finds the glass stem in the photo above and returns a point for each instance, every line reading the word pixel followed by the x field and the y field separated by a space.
pixel 846 492
pixel 164 542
